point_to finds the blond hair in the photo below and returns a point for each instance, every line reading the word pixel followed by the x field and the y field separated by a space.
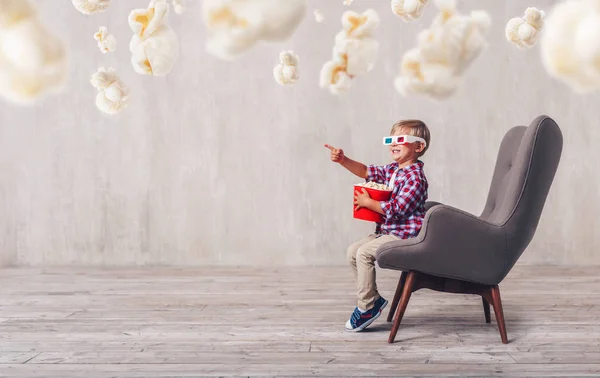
pixel 413 127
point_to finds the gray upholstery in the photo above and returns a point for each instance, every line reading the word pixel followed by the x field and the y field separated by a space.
pixel 453 243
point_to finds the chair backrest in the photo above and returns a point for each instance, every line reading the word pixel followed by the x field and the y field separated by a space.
pixel 525 168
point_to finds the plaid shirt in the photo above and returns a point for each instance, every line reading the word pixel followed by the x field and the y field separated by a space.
pixel 404 212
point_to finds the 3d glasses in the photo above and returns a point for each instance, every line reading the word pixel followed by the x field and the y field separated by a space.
pixel 402 139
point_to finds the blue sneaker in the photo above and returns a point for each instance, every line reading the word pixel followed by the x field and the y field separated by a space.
pixel 361 320
pixel 380 304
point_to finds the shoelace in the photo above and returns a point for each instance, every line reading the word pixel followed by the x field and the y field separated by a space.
pixel 355 316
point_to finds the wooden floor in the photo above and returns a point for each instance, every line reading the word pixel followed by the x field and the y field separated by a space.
pixel 151 322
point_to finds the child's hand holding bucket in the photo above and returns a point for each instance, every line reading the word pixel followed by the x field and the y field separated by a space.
pixel 362 199
pixel 366 199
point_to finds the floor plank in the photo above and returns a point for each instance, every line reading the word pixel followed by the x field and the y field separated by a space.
pixel 224 321
pixel 300 370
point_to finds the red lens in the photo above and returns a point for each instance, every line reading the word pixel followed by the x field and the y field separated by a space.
pixel 400 140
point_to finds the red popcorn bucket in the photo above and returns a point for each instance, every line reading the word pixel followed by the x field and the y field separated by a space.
pixel 376 194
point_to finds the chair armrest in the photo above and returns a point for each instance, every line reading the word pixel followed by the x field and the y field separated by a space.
pixel 452 243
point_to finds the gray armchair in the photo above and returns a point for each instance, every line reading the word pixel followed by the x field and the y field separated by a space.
pixel 457 252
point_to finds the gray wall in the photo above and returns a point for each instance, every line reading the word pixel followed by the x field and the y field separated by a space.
pixel 217 164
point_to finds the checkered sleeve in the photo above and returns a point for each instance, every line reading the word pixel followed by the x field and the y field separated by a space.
pixel 376 173
pixel 409 197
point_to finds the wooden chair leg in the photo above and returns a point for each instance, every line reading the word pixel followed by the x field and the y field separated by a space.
pixel 486 310
pixel 406 292
pixel 497 303
pixel 396 297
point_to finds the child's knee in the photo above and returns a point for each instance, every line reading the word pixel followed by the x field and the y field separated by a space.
pixel 351 254
pixel 365 254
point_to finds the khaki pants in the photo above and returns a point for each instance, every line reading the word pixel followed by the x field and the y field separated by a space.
pixel 361 256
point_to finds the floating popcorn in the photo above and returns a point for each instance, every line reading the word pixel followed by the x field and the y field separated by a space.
pixel 570 44
pixel 234 26
pixel 444 52
pixel 91 6
pixel 33 61
pixel 319 17
pixel 435 80
pixel 356 42
pixel 112 95
pixel 106 42
pixel 358 26
pixel 286 72
pixel 360 55
pixel 348 2
pixel 524 32
pixel 335 77
pixel 179 6
pixel 454 39
pixel 154 45
pixel 408 10
pixel 355 51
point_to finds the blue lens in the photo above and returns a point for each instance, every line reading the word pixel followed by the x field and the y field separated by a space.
pixel 388 140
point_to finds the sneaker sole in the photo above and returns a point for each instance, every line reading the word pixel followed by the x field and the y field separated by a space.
pixel 368 322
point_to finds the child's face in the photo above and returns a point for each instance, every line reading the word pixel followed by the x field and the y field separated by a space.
pixel 403 153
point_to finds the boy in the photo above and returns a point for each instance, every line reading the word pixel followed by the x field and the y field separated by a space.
pixel 403 213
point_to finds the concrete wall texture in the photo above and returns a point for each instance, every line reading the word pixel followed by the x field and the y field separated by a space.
pixel 218 164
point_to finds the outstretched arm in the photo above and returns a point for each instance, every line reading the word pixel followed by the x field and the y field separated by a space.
pixel 337 156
